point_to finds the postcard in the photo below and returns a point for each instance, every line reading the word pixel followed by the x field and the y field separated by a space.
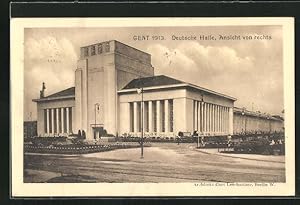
pixel 139 107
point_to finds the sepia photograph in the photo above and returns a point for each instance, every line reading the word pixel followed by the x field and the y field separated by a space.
pixel 152 107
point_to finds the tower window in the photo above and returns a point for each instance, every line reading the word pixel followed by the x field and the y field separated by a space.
pixel 93 51
pixel 107 47
pixel 100 48
pixel 86 51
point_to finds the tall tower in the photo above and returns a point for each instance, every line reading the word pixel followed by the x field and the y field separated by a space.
pixel 102 70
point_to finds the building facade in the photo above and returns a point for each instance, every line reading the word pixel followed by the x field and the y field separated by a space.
pixel 170 106
pixel 246 121
pixel 117 93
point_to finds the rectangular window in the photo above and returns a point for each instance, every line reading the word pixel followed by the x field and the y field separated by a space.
pixel 107 47
pixel 131 116
pixel 154 116
pixel 86 51
pixel 100 48
pixel 45 120
pixel 171 115
pixel 93 50
pixel 163 114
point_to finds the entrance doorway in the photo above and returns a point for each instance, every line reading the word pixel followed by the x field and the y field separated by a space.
pixel 99 132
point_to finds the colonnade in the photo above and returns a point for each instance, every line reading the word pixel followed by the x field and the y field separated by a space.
pixel 58 120
pixel 210 118
pixel 157 116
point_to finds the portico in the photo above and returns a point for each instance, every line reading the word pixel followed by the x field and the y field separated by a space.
pixel 56 113
pixel 173 106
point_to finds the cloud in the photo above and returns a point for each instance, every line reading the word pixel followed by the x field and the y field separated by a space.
pixel 50 60
pixel 197 63
pixel 251 77
pixel 251 71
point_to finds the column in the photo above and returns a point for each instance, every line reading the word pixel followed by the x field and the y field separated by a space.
pixel 218 119
pixel 62 120
pixel 216 114
pixel 158 116
pixel 208 118
pixel 68 124
pixel 142 115
pixel 195 114
pixel 213 118
pixel 199 116
pixel 135 117
pixel 231 121
pixel 223 117
pixel 227 120
pixel 223 120
pixel 150 116
pixel 227 127
pixel 48 122
pixel 57 121
pixel 52 120
pixel 202 116
pixel 167 118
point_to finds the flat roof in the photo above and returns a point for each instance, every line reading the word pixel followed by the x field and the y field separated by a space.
pixel 256 114
pixel 162 81
pixel 102 42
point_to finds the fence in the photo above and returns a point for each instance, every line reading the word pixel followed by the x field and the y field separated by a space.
pixel 83 149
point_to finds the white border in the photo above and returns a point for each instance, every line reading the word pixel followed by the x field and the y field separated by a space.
pixel 20 189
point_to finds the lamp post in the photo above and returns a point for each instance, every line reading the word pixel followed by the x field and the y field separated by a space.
pixel 201 123
pixel 243 113
pixel 97 108
pixel 141 91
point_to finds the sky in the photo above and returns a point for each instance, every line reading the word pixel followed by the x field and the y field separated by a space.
pixel 249 70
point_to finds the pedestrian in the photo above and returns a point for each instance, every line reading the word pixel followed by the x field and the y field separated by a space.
pixel 180 134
